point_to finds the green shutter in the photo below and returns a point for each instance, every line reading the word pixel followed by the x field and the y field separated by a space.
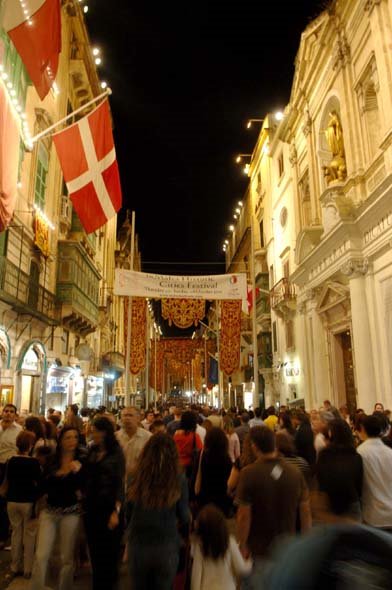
pixel 40 177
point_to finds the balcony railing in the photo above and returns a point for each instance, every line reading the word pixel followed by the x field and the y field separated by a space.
pixel 25 296
pixel 283 296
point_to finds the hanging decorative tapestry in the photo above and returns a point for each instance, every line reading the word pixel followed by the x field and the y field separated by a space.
pixel 138 333
pixel 183 313
pixel 230 341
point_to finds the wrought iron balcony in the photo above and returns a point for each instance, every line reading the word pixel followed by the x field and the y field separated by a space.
pixel 25 296
pixel 283 297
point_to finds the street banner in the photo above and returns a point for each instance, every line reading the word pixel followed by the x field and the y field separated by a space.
pixel 131 283
pixel 230 340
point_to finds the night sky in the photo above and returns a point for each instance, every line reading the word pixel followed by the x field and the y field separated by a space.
pixel 185 78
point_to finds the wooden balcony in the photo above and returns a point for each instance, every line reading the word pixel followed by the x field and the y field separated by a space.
pixel 25 296
pixel 283 298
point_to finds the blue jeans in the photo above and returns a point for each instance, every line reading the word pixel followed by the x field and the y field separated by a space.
pixel 153 566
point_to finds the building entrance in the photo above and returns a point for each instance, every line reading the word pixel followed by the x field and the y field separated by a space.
pixel 345 365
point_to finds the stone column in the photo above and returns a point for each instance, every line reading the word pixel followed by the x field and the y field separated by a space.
pixel 322 380
pixel 361 335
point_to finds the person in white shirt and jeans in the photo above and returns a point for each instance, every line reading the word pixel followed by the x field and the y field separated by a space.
pixel 377 479
pixel 9 431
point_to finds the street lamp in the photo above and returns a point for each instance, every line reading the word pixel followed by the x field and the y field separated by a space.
pixel 240 156
pixel 250 121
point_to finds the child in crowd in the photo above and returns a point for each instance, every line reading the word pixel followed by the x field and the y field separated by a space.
pixel 217 560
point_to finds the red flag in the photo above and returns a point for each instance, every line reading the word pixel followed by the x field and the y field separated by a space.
pixel 34 27
pixel 9 157
pixel 250 296
pixel 88 160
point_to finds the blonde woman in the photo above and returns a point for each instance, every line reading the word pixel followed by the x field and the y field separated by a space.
pixel 232 437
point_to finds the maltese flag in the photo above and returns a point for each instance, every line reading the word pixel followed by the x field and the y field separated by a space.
pixel 88 160
pixel 34 27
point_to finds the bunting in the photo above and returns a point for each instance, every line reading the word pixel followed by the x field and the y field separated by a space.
pixel 230 341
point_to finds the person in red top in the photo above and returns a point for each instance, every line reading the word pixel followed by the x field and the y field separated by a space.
pixel 187 441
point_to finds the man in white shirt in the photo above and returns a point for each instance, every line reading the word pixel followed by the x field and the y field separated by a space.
pixel 256 421
pixel 132 438
pixel 146 423
pixel 377 475
pixel 9 430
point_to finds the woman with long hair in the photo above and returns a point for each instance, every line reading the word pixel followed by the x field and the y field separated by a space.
pixel 247 457
pixel 104 497
pixel 214 472
pixel 232 437
pixel 63 485
pixel 158 497
pixel 285 424
pixel 339 473
pixel 33 424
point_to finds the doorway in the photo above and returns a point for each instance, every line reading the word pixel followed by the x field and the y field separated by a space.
pixel 344 363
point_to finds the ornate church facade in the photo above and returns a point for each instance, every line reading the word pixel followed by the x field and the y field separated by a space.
pixel 321 205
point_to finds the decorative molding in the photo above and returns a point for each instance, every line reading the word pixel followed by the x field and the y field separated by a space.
pixel 307 126
pixel 355 267
pixel 370 4
pixel 293 156
pixel 341 54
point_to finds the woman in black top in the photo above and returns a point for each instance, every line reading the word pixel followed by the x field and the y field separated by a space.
pixel 23 476
pixel 63 485
pixel 103 503
pixel 215 469
pixel 339 472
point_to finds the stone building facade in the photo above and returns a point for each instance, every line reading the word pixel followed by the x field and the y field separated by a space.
pixel 58 319
pixel 320 193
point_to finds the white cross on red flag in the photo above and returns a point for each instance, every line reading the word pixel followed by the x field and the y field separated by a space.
pixel 88 160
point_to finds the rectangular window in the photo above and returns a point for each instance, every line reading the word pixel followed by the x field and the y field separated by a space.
pixel 274 337
pixel 289 335
pixel 14 68
pixel 286 269
pixel 262 233
pixel 271 276
pixel 40 177
pixel 281 165
pixel 65 342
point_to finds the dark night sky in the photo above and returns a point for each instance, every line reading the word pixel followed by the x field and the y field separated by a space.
pixel 185 77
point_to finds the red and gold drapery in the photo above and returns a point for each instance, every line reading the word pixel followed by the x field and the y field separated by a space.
pixel 183 313
pixel 138 333
pixel 175 354
pixel 41 233
pixel 230 340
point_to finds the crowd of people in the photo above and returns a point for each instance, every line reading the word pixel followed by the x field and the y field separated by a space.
pixel 189 493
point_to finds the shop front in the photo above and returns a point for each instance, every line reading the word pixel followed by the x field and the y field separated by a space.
pixel 30 370
pixel 60 384
pixel 6 380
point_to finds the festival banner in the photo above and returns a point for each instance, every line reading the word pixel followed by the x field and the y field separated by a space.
pixel 183 313
pixel 138 334
pixel 230 341
pixel 41 233
pixel 141 284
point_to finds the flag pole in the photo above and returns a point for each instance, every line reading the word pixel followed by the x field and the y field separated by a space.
pixel 107 92
pixel 129 322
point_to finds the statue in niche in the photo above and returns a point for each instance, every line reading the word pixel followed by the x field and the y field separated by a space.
pixel 336 170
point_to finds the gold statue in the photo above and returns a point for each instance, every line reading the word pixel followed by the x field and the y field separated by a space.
pixel 334 135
